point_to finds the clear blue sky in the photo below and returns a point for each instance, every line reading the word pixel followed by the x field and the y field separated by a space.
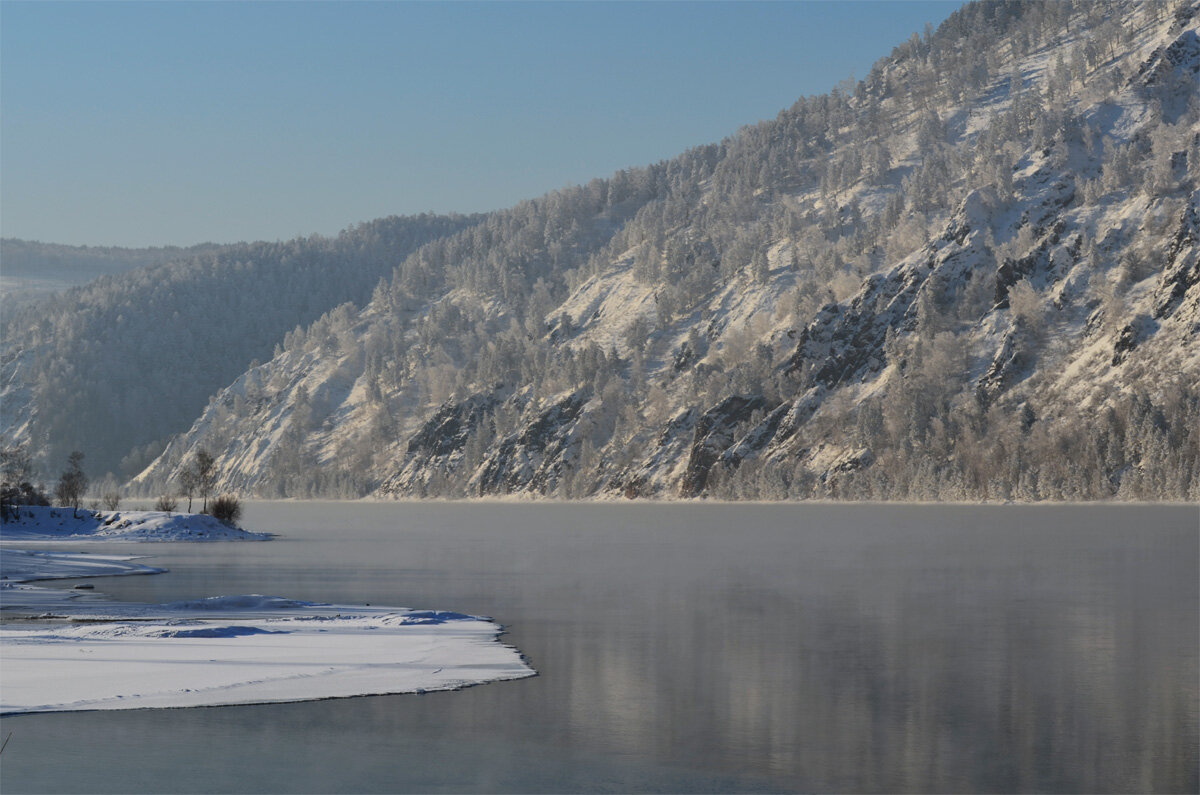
pixel 151 123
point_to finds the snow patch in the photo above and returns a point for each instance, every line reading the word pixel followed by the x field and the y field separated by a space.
pixel 156 656
pixel 62 650
pixel 35 523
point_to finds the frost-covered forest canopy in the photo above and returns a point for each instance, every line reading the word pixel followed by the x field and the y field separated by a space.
pixel 32 270
pixel 975 275
pixel 115 367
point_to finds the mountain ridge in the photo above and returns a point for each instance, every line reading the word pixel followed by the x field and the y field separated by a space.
pixel 976 277
pixel 112 366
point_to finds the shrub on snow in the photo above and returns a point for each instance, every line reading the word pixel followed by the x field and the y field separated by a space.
pixel 227 508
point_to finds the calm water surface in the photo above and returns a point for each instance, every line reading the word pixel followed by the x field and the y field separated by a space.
pixel 699 648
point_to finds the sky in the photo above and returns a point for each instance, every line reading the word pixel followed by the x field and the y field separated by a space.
pixel 175 123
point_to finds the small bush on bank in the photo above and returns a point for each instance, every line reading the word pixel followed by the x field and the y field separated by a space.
pixel 166 503
pixel 226 508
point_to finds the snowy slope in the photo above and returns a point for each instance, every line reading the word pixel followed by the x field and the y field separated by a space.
pixel 980 283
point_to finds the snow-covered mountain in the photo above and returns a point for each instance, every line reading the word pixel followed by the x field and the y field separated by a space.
pixel 976 277
pixel 117 366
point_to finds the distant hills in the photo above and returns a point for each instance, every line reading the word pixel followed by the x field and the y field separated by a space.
pixel 116 366
pixel 31 270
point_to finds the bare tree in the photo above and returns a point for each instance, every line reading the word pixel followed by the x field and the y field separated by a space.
pixel 187 484
pixel 73 483
pixel 16 486
pixel 206 475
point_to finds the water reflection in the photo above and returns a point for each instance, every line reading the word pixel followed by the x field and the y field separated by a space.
pixel 711 648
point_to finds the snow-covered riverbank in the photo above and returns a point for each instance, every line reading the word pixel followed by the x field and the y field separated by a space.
pixel 242 650
pixel 70 649
pixel 62 524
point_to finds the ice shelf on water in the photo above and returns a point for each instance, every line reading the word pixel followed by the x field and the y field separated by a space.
pixel 242 650
pixel 64 650
pixel 19 567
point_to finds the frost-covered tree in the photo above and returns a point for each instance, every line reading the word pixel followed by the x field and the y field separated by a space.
pixel 72 483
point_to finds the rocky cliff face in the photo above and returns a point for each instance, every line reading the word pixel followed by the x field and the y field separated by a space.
pixel 1006 304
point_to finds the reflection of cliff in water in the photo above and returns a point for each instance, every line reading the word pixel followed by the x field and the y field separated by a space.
pixel 963 663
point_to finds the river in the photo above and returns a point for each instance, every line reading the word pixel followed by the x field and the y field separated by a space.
pixel 698 647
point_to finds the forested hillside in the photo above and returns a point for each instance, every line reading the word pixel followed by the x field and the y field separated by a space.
pixel 117 366
pixel 975 277
pixel 30 270
pixel 466 307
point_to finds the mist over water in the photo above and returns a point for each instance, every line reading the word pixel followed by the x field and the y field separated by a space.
pixel 700 647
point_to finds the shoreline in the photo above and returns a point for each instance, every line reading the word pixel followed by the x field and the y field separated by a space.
pixel 72 649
